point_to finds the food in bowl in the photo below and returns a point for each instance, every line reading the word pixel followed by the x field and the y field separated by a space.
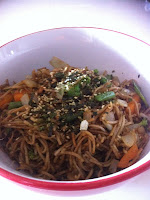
pixel 72 123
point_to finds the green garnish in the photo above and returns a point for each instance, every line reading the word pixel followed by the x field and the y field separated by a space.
pixel 108 86
pixel 94 113
pixel 52 115
pixel 13 105
pixel 96 72
pixel 74 91
pixel 41 128
pixel 138 91
pixel 129 100
pixel 59 76
pixel 31 155
pixel 144 122
pixel 103 80
pixel 105 96
pixel 86 80
pixel 109 76
pixel 70 117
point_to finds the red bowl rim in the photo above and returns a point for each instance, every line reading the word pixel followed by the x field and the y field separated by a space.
pixel 77 185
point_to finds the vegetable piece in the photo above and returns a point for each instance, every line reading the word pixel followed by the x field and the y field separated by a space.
pixel 126 91
pixel 105 96
pixel 84 125
pixel 132 105
pixel 116 81
pixel 40 90
pixel 113 166
pixel 60 92
pixel 73 87
pixel 70 117
pixel 31 155
pixel 109 76
pixel 96 72
pixel 122 103
pixel 29 83
pixel 57 63
pixel 18 94
pixel 25 99
pixel 129 139
pixel 74 91
pixel 4 101
pixel 103 80
pixel 130 155
pixel 141 130
pixel 144 122
pixel 13 105
pixel 59 76
pixel 138 91
pixel 86 80
pixel 108 126
pixel 110 116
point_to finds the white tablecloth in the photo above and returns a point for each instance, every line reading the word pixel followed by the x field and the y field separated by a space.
pixel 20 17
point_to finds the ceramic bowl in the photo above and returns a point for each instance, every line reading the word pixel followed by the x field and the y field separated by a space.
pixel 93 47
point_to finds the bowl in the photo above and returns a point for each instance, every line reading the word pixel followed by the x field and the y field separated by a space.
pixel 93 47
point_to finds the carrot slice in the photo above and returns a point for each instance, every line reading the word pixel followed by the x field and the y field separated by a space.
pixel 4 101
pixel 132 105
pixel 130 155
pixel 18 94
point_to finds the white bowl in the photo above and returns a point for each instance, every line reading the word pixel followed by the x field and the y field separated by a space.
pixel 93 47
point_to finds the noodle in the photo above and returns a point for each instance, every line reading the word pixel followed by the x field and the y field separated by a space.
pixel 68 124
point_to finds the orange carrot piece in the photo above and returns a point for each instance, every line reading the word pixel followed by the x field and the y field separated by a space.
pixel 130 155
pixel 4 101
pixel 18 94
pixel 40 90
pixel 131 104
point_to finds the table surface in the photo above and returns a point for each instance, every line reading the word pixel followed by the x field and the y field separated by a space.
pixel 20 17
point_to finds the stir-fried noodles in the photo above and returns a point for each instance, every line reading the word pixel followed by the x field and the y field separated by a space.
pixel 72 123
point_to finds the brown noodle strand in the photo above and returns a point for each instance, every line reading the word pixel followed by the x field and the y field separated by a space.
pixel 89 174
pixel 72 154
pixel 10 140
pixel 39 151
pixel 89 144
pixel 26 154
pixel 73 139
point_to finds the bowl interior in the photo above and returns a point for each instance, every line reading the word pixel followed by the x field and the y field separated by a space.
pixel 95 48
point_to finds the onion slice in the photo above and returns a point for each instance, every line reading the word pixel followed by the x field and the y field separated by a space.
pixel 25 99
pixel 129 139
pixel 113 166
pixel 29 83
pixel 122 103
pixel 57 63
pixel 110 117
